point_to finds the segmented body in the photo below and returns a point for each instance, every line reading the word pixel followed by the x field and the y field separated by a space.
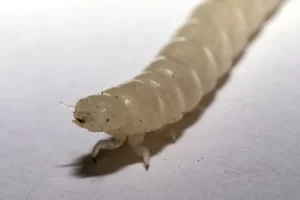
pixel 185 69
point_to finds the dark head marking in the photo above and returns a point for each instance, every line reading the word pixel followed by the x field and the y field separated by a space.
pixel 80 120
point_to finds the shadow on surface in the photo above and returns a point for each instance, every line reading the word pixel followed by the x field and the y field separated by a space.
pixel 110 161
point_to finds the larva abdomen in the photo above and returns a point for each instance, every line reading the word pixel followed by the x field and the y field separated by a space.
pixel 270 6
pixel 207 35
pixel 193 55
pixel 183 79
pixel 168 98
pixel 252 11
pixel 226 18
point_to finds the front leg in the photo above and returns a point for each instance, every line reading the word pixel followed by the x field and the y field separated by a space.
pixel 172 133
pixel 135 141
pixel 107 144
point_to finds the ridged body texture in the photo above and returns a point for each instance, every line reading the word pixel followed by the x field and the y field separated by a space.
pixel 184 70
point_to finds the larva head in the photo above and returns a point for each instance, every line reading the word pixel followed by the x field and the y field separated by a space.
pixel 100 113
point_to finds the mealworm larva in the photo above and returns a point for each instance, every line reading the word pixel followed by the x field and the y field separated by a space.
pixel 184 70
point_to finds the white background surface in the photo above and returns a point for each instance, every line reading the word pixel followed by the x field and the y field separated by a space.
pixel 245 146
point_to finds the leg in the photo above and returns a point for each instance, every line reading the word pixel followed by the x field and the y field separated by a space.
pixel 135 142
pixel 171 132
pixel 111 143
pixel 200 108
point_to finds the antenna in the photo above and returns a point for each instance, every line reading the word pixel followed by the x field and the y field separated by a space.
pixel 67 106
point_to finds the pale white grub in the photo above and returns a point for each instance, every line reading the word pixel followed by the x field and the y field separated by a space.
pixel 173 84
